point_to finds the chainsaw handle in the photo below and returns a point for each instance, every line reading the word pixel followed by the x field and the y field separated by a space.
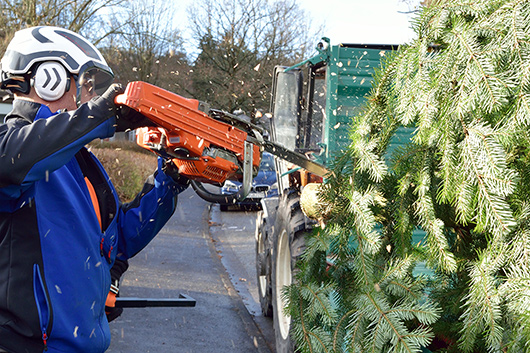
pixel 243 191
pixel 214 198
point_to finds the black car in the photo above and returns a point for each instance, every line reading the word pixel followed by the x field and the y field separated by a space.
pixel 263 185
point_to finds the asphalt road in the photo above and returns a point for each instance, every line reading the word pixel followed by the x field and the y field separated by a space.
pixel 234 235
pixel 208 255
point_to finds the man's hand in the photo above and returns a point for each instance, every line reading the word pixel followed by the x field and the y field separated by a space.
pixel 171 170
pixel 117 270
pixel 111 93
pixel 129 119
pixel 126 118
pixel 111 311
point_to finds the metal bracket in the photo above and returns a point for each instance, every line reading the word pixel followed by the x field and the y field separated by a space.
pixel 247 172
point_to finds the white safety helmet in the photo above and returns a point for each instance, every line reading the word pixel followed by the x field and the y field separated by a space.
pixel 34 58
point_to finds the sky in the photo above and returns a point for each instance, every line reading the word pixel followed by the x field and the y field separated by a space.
pixel 362 21
pixel 353 21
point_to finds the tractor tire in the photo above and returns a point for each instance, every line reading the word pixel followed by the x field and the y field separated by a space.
pixel 290 230
pixel 263 265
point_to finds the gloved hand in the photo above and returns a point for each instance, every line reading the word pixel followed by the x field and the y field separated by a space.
pixel 126 118
pixel 111 92
pixel 171 170
pixel 129 119
pixel 106 101
pixel 111 311
pixel 117 270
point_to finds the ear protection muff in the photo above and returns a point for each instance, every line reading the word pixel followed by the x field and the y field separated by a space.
pixel 50 80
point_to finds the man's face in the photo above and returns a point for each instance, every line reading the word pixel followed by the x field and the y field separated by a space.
pixel 88 91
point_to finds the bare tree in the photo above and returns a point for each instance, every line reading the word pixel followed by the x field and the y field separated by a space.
pixel 239 42
pixel 83 16
pixel 146 45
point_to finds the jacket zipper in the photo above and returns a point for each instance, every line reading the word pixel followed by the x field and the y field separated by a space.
pixel 43 304
pixel 45 338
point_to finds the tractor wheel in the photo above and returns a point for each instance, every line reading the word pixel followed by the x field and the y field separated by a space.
pixel 289 244
pixel 263 265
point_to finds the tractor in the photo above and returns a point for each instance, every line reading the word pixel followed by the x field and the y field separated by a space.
pixel 312 105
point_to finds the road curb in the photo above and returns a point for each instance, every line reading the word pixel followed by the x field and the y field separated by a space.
pixel 251 326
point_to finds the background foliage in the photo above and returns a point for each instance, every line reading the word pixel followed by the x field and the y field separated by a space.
pixel 236 43
pixel 240 42
pixel 462 88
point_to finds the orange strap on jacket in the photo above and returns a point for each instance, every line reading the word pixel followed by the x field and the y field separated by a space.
pixel 94 198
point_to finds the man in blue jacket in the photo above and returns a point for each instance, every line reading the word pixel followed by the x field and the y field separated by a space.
pixel 61 224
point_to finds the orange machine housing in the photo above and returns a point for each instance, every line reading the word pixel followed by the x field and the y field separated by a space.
pixel 200 140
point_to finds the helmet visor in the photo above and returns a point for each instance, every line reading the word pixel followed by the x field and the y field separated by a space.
pixel 92 82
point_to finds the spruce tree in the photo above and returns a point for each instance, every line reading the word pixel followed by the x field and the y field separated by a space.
pixel 462 88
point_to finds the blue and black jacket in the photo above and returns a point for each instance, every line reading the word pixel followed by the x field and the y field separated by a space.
pixel 54 256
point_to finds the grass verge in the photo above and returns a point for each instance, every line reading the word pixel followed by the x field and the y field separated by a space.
pixel 127 164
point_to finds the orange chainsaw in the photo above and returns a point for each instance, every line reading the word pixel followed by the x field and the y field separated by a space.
pixel 207 145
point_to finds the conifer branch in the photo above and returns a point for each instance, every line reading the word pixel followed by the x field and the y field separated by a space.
pixel 463 88
pixel 483 301
pixel 384 318
pixel 338 328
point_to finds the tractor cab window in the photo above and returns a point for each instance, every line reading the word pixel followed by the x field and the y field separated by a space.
pixel 286 107
pixel 299 107
pixel 314 114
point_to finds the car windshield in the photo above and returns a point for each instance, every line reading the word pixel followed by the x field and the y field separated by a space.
pixel 267 162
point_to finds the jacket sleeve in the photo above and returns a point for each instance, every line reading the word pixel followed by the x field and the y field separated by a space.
pixel 142 219
pixel 29 151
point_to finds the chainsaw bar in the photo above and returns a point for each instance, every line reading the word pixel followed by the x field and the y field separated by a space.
pixel 269 146
pixel 294 157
